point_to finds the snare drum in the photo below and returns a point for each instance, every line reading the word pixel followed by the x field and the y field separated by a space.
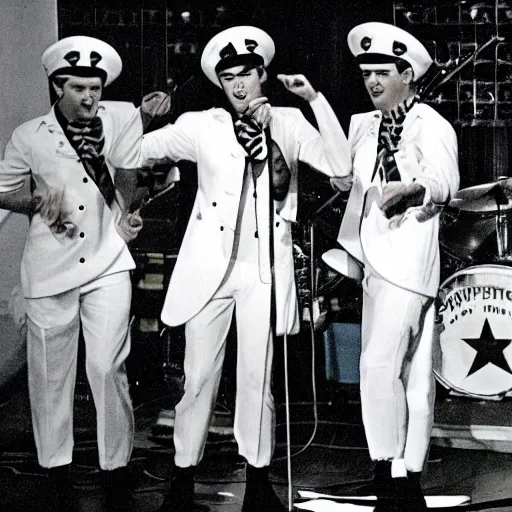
pixel 475 310
pixel 476 227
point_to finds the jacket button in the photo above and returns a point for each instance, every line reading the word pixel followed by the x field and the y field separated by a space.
pixel 255 234
pixel 81 207
pixel 277 224
pixel 199 216
pixel 222 228
pixel 82 234
pixel 85 180
pixel 82 260
pixel 214 204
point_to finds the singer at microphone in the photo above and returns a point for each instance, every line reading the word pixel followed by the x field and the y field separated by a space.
pixel 237 252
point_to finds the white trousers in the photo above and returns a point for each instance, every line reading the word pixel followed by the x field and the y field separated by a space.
pixel 397 383
pixel 102 307
pixel 206 333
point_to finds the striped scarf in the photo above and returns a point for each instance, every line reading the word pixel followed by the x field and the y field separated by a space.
pixel 88 141
pixel 390 133
pixel 253 138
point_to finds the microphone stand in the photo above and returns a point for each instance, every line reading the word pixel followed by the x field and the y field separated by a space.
pixel 443 75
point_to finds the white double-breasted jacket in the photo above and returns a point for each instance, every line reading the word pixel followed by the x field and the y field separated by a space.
pixel 406 253
pixel 208 139
pixel 51 263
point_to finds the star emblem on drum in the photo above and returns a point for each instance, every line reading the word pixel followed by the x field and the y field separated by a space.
pixel 489 350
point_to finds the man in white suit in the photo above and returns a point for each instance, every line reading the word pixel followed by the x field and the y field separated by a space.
pixel 75 266
pixel 237 250
pixel 404 170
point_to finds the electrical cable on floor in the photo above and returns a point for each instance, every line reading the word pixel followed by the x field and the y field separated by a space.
pixel 151 402
pixel 337 447
pixel 324 422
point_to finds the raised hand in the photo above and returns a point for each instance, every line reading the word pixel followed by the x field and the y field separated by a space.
pixel 155 105
pixel 299 85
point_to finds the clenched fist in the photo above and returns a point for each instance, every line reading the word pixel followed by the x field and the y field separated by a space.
pixel 259 110
pixel 155 105
pixel 299 85
pixel 397 197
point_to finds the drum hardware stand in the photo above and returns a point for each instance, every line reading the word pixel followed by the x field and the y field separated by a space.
pixel 172 370
pixel 502 228
pixel 147 201
pixel 309 222
pixel 173 345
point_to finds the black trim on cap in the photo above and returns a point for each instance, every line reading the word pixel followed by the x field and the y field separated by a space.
pixel 84 71
pixel 239 60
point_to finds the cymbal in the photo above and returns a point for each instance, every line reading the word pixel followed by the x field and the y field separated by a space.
pixel 488 197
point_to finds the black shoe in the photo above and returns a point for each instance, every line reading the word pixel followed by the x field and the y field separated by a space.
pixel 259 494
pixel 397 494
pixel 408 497
pixel 62 490
pixel 118 485
pixel 415 490
pixel 179 496
pixel 383 487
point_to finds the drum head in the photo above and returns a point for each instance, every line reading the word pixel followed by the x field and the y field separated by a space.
pixel 476 332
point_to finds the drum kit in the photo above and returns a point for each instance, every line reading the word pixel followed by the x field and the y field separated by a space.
pixel 475 301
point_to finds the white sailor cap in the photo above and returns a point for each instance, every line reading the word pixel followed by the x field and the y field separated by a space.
pixel 236 46
pixel 375 42
pixel 82 56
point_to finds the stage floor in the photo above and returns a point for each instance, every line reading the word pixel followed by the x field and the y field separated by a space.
pixel 336 462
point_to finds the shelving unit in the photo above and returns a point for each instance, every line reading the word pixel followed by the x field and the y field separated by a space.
pixel 478 101
pixel 159 41
pixel 481 93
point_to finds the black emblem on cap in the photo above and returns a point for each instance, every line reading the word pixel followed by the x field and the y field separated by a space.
pixel 399 48
pixel 72 57
pixel 251 44
pixel 227 51
pixel 366 42
pixel 95 58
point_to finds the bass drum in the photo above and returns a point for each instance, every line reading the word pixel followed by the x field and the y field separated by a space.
pixel 475 334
